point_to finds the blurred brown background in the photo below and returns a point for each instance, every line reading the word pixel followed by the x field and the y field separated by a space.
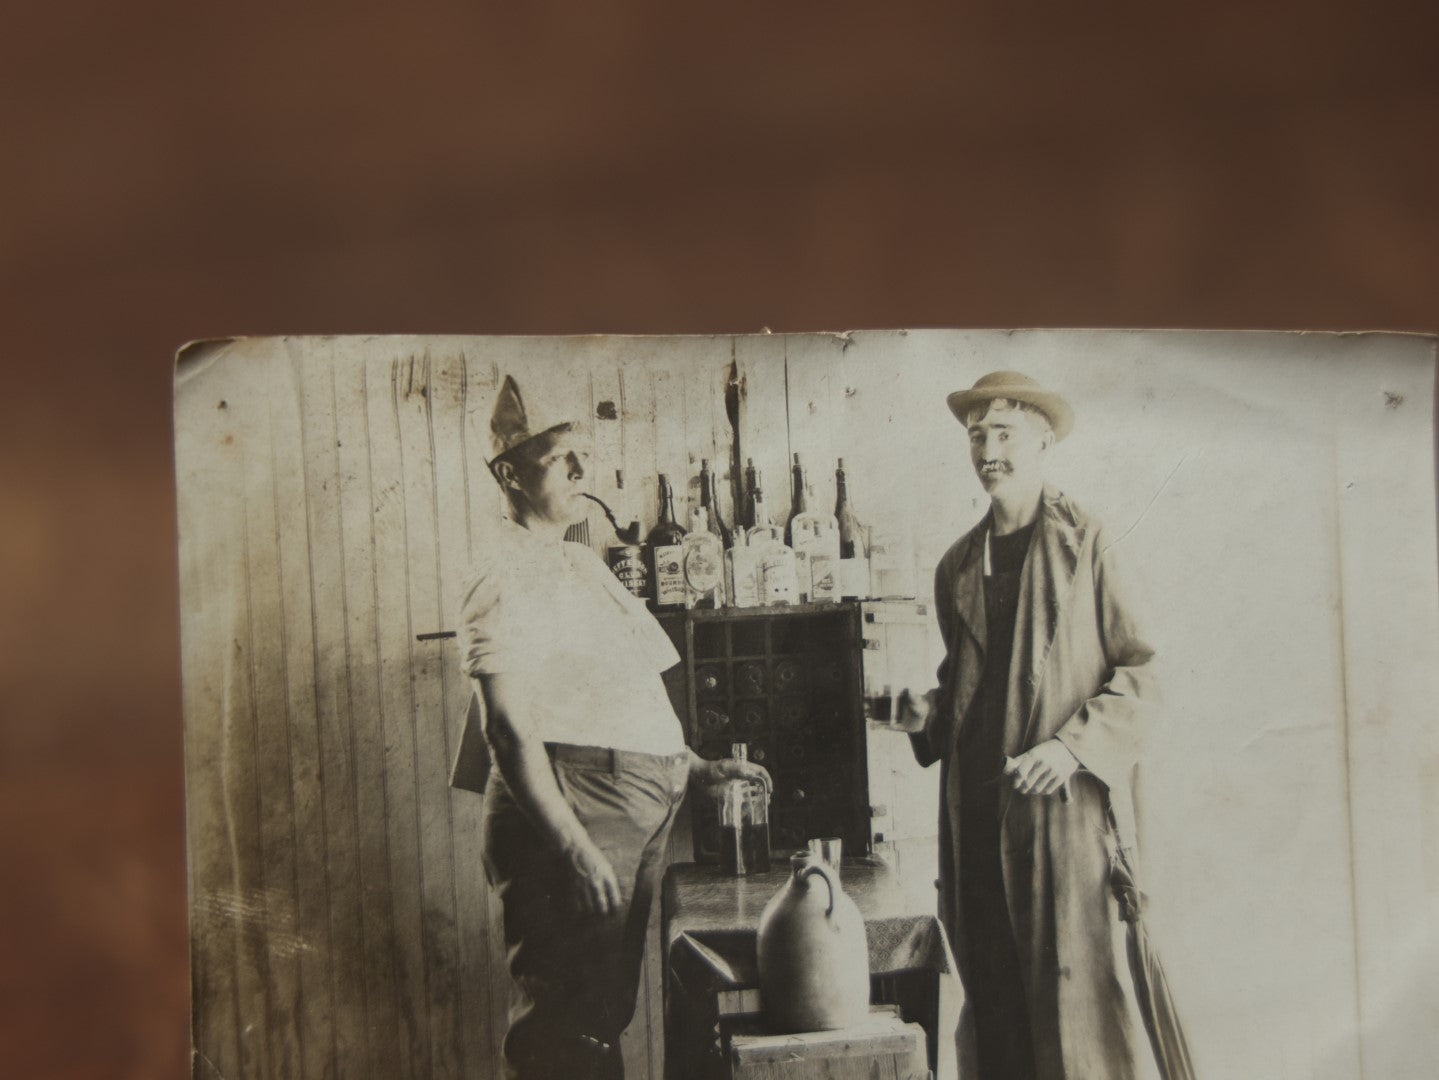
pixel 173 171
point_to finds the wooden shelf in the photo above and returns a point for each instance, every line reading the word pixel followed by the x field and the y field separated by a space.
pixel 787 681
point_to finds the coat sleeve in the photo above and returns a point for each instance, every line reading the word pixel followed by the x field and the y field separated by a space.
pixel 1106 734
pixel 928 745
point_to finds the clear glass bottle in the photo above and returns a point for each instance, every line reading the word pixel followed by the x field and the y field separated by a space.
pixel 779 581
pixel 742 581
pixel 703 561
pixel 815 540
pixel 779 576
pixel 744 823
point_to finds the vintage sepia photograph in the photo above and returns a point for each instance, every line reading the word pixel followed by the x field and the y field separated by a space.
pixel 840 542
pixel 881 703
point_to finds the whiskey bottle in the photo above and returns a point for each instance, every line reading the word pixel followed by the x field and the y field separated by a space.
pixel 667 580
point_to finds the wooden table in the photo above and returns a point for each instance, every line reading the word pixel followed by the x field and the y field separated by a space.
pixel 708 924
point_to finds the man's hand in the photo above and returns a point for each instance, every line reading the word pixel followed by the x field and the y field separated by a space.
pixel 910 715
pixel 596 888
pixel 711 774
pixel 1042 771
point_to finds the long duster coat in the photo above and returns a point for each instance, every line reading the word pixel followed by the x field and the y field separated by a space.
pixel 1080 671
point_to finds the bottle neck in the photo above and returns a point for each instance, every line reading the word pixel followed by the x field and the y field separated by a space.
pixel 801 497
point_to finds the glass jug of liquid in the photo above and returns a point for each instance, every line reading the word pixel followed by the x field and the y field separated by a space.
pixel 744 824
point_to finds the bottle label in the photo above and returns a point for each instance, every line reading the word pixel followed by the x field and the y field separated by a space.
pixel 703 567
pixel 742 577
pixel 628 563
pixel 669 583
pixel 823 576
pixel 777 576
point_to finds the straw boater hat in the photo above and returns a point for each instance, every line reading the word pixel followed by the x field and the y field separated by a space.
pixel 1015 387
pixel 514 422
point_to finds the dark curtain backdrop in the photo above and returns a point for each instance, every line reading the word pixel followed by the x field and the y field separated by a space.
pixel 173 171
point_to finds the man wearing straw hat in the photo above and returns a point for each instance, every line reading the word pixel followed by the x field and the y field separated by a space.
pixel 590 760
pixel 1044 693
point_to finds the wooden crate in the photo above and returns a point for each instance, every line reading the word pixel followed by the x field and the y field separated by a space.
pixel 786 681
pixel 882 1048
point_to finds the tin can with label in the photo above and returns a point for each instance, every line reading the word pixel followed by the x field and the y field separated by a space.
pixel 629 565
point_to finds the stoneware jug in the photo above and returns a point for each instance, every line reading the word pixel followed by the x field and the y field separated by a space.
pixel 813 960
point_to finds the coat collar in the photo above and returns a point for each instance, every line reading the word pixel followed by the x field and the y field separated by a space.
pixel 1054 554
pixel 1044 589
pixel 1061 535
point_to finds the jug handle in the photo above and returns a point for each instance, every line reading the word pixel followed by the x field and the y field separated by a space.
pixel 822 871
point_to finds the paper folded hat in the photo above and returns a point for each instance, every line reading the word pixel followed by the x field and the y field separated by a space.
pixel 515 420
pixel 1015 387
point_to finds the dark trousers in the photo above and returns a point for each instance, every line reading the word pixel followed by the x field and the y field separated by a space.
pixel 577 974
pixel 993 982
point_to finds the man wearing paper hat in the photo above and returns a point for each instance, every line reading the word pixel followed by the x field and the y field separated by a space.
pixel 590 760
pixel 1044 694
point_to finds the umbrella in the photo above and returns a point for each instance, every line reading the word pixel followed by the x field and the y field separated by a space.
pixel 1156 1005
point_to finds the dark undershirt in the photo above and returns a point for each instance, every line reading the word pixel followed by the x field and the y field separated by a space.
pixel 992 972
pixel 982 735
pixel 1007 552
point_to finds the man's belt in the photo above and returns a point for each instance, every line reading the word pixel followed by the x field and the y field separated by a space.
pixel 602 757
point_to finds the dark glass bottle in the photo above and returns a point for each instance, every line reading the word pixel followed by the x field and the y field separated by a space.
pixel 709 499
pixel 751 481
pixel 799 500
pixel 665 540
pixel 853 546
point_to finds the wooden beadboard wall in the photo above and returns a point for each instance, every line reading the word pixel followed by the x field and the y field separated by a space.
pixel 332 494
